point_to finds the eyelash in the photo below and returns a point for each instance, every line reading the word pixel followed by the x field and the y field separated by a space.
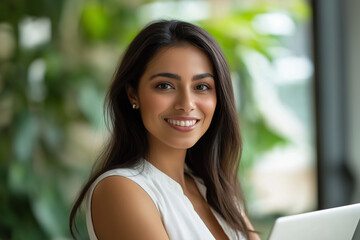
pixel 203 85
pixel 163 84
pixel 169 86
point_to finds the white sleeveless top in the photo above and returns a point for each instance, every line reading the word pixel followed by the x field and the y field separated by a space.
pixel 177 213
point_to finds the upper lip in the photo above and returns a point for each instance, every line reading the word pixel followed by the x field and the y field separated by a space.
pixel 183 118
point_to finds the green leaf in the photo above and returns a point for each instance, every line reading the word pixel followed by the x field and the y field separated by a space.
pixel 95 21
pixel 26 136
pixel 90 101
pixel 48 207
pixel 17 178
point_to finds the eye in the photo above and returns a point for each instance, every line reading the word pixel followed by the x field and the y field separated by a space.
pixel 202 87
pixel 164 86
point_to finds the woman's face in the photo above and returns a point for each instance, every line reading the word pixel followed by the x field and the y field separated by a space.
pixel 177 96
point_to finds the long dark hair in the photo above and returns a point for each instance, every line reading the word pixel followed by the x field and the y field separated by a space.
pixel 214 158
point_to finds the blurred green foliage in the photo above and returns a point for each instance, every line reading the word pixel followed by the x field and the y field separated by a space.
pixel 50 125
pixel 236 34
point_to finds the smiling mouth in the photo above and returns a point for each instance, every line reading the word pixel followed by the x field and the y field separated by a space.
pixel 182 123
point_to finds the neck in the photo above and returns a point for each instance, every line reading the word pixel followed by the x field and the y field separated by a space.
pixel 169 160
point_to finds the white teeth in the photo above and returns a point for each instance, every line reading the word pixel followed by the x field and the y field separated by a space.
pixel 181 123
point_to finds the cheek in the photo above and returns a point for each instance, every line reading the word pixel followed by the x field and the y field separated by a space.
pixel 208 106
pixel 151 103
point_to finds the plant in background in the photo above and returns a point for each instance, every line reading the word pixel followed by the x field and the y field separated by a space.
pixel 52 84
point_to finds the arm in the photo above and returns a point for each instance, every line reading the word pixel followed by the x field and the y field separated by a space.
pixel 121 209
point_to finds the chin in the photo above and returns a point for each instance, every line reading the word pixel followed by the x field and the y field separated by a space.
pixel 183 145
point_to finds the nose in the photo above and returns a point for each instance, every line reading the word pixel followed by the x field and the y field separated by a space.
pixel 185 101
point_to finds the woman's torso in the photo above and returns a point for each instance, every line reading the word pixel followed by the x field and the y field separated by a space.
pixel 177 213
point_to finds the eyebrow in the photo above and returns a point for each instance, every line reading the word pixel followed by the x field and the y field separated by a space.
pixel 177 77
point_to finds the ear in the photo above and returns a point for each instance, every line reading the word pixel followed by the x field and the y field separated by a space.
pixel 132 95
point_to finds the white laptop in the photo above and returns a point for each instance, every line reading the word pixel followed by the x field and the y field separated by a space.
pixel 340 223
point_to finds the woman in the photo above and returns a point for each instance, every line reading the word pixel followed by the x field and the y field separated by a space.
pixel 170 168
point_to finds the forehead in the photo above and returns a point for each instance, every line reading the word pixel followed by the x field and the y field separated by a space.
pixel 180 58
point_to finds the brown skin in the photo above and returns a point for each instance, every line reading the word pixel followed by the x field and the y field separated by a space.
pixel 120 208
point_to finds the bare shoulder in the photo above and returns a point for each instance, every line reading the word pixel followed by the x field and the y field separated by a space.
pixel 121 209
